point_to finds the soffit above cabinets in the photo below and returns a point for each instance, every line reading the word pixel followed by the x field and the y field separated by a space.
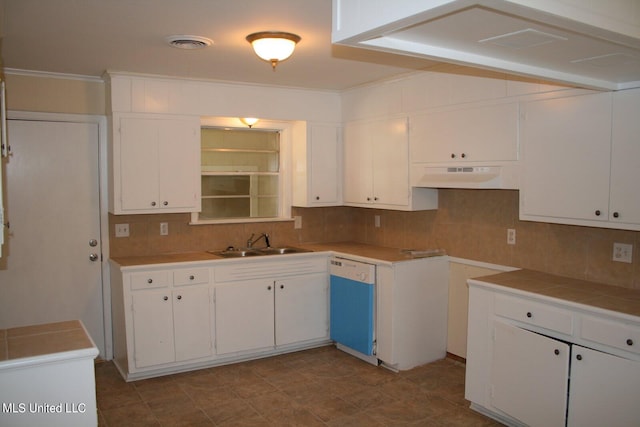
pixel 567 42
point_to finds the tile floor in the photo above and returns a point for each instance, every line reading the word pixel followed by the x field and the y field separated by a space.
pixel 318 387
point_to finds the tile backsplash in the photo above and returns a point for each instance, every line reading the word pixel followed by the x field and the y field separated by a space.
pixel 469 224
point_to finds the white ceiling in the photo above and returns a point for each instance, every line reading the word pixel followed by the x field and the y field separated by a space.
pixel 88 37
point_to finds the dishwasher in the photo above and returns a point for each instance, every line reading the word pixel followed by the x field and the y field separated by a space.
pixel 353 307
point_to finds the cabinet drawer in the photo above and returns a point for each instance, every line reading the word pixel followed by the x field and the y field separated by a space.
pixel 534 313
pixel 150 279
pixel 615 334
pixel 190 276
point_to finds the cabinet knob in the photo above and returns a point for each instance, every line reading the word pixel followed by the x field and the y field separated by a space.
pixel 375 199
pixel 165 203
pixel 317 197
pixel 463 155
pixel 453 155
pixel 179 296
pixel 268 288
pixel 192 277
pixel 149 281
pixel 281 286
pixel 629 341
pixel 165 298
pixel 368 199
pixel 153 203
pixel 556 352
pixel 598 212
pixel 616 214
pixel 529 314
pixel 579 357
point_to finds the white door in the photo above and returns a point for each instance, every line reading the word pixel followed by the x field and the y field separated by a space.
pixel 52 204
pixel 192 323
pixel 153 338
pixel 529 376
pixel 390 151
pixel 604 390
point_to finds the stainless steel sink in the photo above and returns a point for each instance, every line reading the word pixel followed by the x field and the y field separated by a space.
pixel 248 252
pixel 282 251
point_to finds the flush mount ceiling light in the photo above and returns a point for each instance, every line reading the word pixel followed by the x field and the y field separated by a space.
pixel 249 121
pixel 273 46
pixel 189 42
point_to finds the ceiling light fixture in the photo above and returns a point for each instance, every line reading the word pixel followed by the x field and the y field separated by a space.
pixel 273 46
pixel 249 121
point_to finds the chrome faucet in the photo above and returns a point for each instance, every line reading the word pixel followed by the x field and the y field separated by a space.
pixel 251 242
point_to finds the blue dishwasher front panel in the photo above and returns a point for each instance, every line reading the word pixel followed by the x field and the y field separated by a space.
pixel 352 314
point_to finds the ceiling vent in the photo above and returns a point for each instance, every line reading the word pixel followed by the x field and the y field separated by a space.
pixel 189 42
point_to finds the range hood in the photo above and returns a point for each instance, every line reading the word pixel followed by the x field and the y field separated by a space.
pixel 585 43
pixel 496 177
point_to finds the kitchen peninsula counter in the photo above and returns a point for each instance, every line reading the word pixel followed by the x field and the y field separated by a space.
pixel 576 291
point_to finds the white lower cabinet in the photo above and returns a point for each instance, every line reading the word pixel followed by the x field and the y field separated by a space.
pixel 558 374
pixel 288 308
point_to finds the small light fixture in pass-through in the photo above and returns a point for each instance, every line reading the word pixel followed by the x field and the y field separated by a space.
pixel 249 121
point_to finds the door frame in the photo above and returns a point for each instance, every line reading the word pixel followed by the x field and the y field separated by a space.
pixel 103 182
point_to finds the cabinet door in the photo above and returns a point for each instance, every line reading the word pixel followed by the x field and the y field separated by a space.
pixel 244 316
pixel 192 323
pixel 566 154
pixel 302 308
pixel 604 390
pixel 325 166
pixel 483 133
pixel 529 381
pixel 152 328
pixel 179 164
pixel 625 152
pixel 358 167
pixel 139 187
pixel 390 152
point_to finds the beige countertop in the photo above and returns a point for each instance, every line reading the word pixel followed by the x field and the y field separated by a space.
pixel 614 298
pixel 44 339
pixel 347 248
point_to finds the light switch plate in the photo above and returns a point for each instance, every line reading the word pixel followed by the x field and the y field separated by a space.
pixel 122 230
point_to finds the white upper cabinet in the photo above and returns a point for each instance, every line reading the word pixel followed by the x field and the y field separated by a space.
pixel 580 160
pixel 156 164
pixel 625 158
pixel 376 167
pixel 317 165
pixel 460 135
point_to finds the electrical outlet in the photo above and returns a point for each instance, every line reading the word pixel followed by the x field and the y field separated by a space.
pixel 122 230
pixel 164 228
pixel 297 222
pixel 622 252
pixel 511 236
pixel 376 221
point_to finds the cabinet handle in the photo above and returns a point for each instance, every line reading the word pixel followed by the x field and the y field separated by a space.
pixel 179 297
pixel 269 288
pixel 629 341
pixel 317 197
pixel 165 203
pixel 579 357
pixel 375 199
pixel 529 314
pixel 153 203
pixel 463 155
pixel 281 286
pixel 165 298
pixel 149 281
pixel 192 277
pixel 616 214
pixel 368 199
pixel 453 155
pixel 556 352
pixel 598 212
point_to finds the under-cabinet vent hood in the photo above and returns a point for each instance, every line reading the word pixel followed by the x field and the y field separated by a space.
pixel 593 44
pixel 498 177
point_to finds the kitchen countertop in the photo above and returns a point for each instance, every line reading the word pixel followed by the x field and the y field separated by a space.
pixel 345 248
pixel 39 342
pixel 607 297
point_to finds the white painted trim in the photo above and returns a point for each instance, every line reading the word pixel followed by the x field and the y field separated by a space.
pixel 103 166
pixel 47 74
pixel 482 264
